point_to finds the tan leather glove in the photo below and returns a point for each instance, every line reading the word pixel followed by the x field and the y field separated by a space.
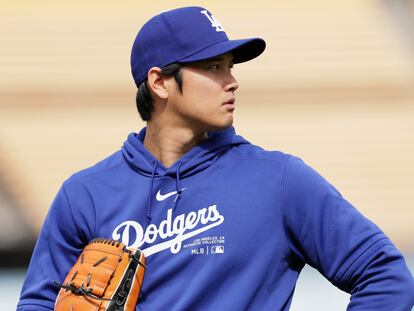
pixel 106 276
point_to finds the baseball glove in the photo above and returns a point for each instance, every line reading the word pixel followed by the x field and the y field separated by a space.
pixel 106 276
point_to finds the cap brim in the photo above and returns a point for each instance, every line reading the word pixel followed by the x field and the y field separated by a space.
pixel 243 50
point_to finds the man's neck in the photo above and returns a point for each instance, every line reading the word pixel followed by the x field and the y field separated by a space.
pixel 168 144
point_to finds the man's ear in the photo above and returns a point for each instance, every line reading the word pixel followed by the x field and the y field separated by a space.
pixel 156 83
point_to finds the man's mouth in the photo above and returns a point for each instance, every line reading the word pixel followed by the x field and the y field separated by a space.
pixel 230 102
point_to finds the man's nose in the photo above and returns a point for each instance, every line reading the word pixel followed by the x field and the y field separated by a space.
pixel 231 84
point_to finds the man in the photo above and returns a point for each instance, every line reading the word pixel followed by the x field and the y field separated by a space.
pixel 224 224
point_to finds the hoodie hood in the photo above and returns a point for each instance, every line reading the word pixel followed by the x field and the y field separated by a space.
pixel 197 159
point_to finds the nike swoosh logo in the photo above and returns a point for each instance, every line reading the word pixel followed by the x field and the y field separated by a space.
pixel 161 197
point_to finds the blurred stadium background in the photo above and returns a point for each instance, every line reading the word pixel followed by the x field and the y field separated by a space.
pixel 335 87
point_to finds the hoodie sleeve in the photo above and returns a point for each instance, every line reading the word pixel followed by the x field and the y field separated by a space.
pixel 59 244
pixel 328 233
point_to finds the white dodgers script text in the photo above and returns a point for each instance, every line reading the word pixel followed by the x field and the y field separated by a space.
pixel 174 231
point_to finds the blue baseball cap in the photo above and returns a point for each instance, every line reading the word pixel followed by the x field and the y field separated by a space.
pixel 186 35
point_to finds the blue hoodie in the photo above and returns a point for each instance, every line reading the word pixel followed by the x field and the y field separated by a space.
pixel 227 227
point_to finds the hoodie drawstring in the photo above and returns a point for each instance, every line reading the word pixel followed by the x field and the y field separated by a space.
pixel 150 192
pixel 177 186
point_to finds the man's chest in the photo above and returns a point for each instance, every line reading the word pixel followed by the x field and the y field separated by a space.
pixel 214 214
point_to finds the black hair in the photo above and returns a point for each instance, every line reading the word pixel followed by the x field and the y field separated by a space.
pixel 144 100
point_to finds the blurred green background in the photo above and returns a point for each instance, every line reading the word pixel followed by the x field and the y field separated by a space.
pixel 335 86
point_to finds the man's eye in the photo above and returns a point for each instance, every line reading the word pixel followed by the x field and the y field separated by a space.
pixel 214 67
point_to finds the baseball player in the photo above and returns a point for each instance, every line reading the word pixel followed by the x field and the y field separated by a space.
pixel 224 224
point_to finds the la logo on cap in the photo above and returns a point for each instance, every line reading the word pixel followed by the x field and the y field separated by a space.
pixel 214 22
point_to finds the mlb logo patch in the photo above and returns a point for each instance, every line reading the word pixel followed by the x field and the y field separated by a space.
pixel 217 249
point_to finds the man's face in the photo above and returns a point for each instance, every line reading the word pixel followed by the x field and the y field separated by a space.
pixel 207 101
